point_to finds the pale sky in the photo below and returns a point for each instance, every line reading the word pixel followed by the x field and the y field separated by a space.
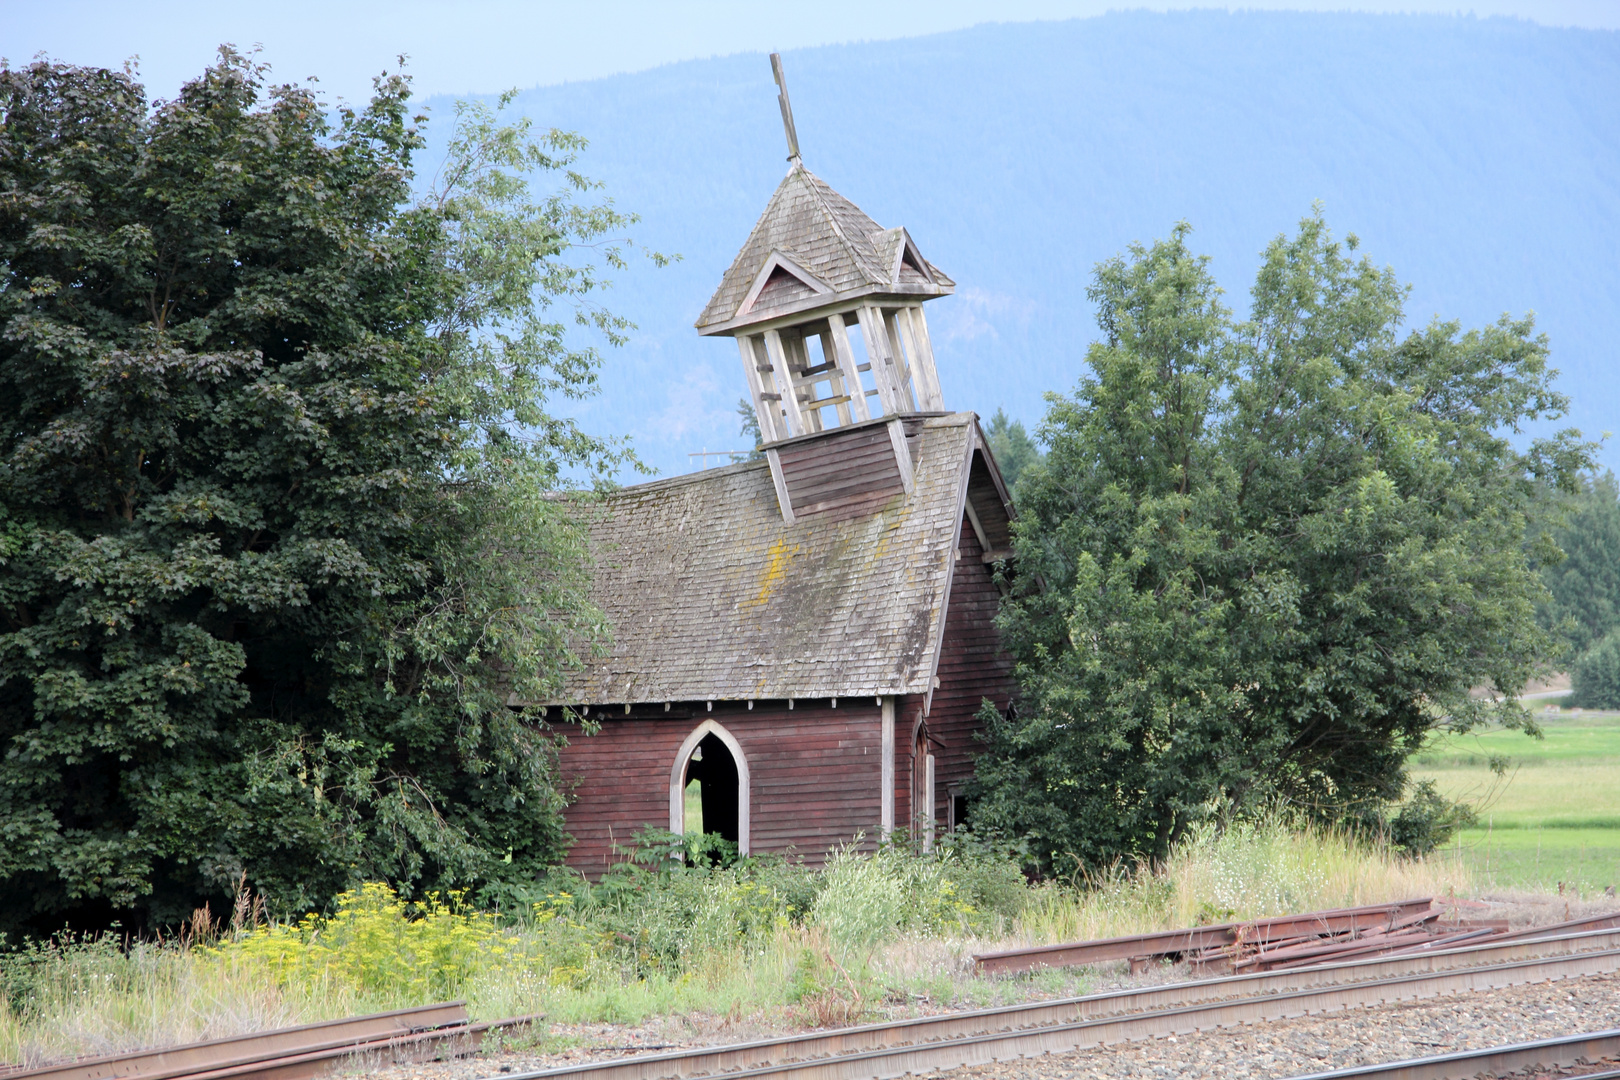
pixel 491 45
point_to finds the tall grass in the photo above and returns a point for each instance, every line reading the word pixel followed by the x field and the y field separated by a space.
pixel 1246 871
pixel 770 941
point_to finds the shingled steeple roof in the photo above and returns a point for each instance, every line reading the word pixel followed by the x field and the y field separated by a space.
pixel 812 247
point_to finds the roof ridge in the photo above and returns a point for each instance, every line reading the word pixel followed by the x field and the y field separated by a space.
pixel 689 478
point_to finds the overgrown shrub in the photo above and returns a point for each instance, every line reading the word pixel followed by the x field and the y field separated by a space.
pixel 1427 820
pixel 660 937
pixel 377 942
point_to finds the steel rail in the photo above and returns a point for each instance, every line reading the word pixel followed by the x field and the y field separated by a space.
pixel 420 1046
pixel 298 1053
pixel 952 1040
pixel 1493 1061
pixel 210 1054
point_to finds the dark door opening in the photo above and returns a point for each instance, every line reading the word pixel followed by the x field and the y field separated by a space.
pixel 713 767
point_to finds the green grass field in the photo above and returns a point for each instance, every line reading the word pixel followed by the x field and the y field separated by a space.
pixel 1554 816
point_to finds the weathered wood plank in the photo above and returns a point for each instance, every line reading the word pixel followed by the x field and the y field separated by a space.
pixel 844 357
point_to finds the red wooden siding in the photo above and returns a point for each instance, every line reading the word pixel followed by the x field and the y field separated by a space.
pixel 842 475
pixel 619 781
pixel 815 777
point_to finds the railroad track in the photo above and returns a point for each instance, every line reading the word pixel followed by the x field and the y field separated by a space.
pixel 879 1051
pixel 297 1053
pixel 1496 1061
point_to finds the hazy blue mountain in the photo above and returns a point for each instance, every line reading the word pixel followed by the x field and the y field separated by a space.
pixel 1479 158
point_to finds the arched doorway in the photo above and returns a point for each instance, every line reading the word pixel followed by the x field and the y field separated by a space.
pixel 712 758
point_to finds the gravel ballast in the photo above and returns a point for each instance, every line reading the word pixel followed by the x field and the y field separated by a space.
pixel 1279 1048
pixel 1341 1040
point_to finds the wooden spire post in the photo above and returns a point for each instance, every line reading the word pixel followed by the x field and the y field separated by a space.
pixel 787 108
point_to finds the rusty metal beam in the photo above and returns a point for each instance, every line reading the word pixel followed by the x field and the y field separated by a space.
pixel 296 1053
pixel 1494 1061
pixel 1168 942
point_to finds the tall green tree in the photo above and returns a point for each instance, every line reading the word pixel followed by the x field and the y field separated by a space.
pixel 1584 589
pixel 1015 451
pixel 274 553
pixel 1265 559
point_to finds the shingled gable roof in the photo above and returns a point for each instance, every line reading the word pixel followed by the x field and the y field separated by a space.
pixel 830 239
pixel 711 596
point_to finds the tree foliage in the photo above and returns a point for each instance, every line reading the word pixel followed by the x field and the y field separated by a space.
pixel 1595 676
pixel 1014 450
pixel 1263 559
pixel 273 548
pixel 1584 589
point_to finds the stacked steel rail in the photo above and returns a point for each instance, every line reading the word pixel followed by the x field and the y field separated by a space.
pixel 1285 942
pixel 297 1053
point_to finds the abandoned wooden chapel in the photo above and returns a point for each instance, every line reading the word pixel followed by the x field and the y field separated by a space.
pixel 808 636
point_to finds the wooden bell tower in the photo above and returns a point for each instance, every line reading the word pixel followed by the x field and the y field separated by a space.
pixel 826 307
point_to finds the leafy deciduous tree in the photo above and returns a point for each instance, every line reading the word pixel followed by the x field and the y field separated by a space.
pixel 1584 601
pixel 273 546
pixel 1264 559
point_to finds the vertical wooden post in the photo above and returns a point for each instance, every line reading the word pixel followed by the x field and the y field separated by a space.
pixel 797 354
pixel 774 460
pixel 928 809
pixel 835 378
pixel 891 389
pixel 886 824
pixel 784 383
pixel 919 323
pixel 909 387
pixel 844 357
pixel 769 416
pixel 901 327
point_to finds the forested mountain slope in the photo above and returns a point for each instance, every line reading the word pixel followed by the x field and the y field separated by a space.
pixel 1480 158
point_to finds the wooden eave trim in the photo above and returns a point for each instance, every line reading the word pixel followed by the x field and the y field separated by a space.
pixel 837 304
pixel 981 443
pixel 774 261
pixel 906 245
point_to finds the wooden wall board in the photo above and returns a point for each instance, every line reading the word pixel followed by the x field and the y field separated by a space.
pixel 843 470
